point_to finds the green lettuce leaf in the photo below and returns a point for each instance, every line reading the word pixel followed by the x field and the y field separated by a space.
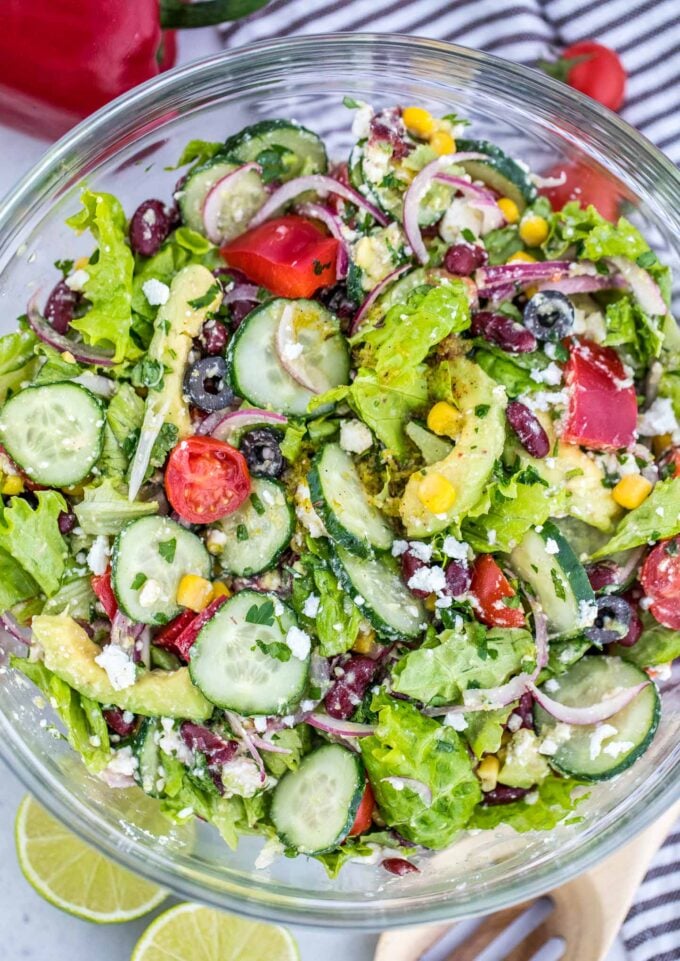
pixel 17 361
pixel 387 408
pixel 406 744
pixel 336 609
pixel 75 598
pixel 484 730
pixel 86 728
pixel 104 510
pixel 55 367
pixel 15 584
pixel 199 151
pixel 594 236
pixel 669 386
pixel 657 645
pixel 297 740
pixel 33 539
pixel 630 327
pixel 109 287
pixel 231 816
pixel 514 507
pixel 124 415
pixel 550 804
pixel 470 657
pixel 359 847
pixel 657 518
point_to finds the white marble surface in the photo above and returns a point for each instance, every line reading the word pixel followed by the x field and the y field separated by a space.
pixel 29 927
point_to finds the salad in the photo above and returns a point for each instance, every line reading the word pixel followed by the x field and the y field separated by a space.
pixel 341 501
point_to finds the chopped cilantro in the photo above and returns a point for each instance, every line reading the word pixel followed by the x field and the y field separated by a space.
pixel 65 266
pixel 351 103
pixel 276 649
pixel 467 235
pixel 207 298
pixel 242 533
pixel 167 549
pixel 139 580
pixel 481 410
pixel 647 259
pixel 258 506
pixel 558 584
pixel 261 614
pixel 319 267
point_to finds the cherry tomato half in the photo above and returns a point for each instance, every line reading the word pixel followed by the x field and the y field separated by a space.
pixel 490 588
pixel 364 818
pixel 660 578
pixel 206 479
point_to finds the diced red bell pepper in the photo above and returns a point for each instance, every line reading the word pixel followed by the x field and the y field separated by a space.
pixel 602 406
pixel 101 585
pixel 490 588
pixel 179 635
pixel 290 256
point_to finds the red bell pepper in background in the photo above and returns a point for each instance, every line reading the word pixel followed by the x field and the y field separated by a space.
pixel 602 411
pixel 490 588
pixel 101 585
pixel 290 256
pixel 60 61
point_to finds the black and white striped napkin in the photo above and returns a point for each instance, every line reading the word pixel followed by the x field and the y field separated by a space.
pixel 646 34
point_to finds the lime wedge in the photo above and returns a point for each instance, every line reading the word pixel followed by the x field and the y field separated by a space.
pixel 194 933
pixel 72 876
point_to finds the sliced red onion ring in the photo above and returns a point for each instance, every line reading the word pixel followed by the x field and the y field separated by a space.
pixel 547 182
pixel 98 384
pixel 643 286
pixel 291 354
pixel 240 292
pixel 334 224
pixel 227 427
pixel 124 632
pixel 81 353
pixel 415 193
pixel 237 726
pixel 520 272
pixel 592 714
pixel 323 722
pixel 264 745
pixel 585 284
pixel 374 294
pixel 419 787
pixel 212 205
pixel 10 624
pixel 320 184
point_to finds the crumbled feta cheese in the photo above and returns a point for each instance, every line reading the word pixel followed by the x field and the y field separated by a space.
pixel 430 579
pixel 311 606
pixel 355 437
pixel 601 733
pixel 170 742
pixel 616 748
pixel 587 612
pixel 543 400
pixel 491 537
pixel 118 665
pixel 299 643
pixel 278 606
pixel 399 548
pixel 306 514
pixel 216 540
pixel 119 772
pixel 150 593
pixel 550 375
pixel 156 292
pixel 98 555
pixel 361 123
pixel 260 724
pixel 443 602
pixel 241 777
pixel 514 723
pixel 421 550
pixel 458 550
pixel 589 322
pixel 271 850
pixel 552 685
pixel 551 546
pixel 292 351
pixel 658 419
pixel 463 215
pixel 77 280
pixel 456 720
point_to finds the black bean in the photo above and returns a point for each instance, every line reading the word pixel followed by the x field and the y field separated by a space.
pixel 527 426
pixel 502 330
pixel 150 224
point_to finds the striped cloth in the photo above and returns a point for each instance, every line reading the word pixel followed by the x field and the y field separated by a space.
pixel 646 34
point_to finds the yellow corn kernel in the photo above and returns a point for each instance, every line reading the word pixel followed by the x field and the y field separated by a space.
pixel 12 484
pixel 444 420
pixel 631 490
pixel 219 589
pixel 661 443
pixel 522 257
pixel 509 209
pixel 364 643
pixel 533 231
pixel 442 143
pixel 530 291
pixel 487 772
pixel 81 263
pixel 194 592
pixel 418 121
pixel 436 493
pixel 67 357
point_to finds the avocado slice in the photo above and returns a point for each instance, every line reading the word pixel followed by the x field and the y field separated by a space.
pixel 70 654
pixel 478 447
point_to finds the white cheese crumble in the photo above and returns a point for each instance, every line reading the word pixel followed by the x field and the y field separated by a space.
pixel 306 514
pixel 241 777
pixel 119 772
pixel 150 593
pixel 156 292
pixel 514 723
pixel 550 375
pixel 551 546
pixel 170 742
pixel 98 555
pixel 658 419
pixel 399 548
pixel 601 733
pixel 272 849
pixel 361 123
pixel 119 667
pixel 77 280
pixel 299 643
pixel 420 550
pixel 292 351
pixel 587 612
pixel 430 579
pixel 311 606
pixel 456 720
pixel 552 685
pixel 616 748
pixel 355 437
pixel 216 540
pixel 458 550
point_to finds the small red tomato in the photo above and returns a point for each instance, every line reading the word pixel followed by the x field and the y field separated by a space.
pixel 101 585
pixel 490 588
pixel 660 578
pixel 587 186
pixel 597 71
pixel 206 479
pixel 364 818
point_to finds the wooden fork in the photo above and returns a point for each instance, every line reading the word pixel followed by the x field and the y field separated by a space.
pixel 576 922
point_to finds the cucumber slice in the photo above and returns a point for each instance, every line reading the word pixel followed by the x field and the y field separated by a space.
pixel 300 151
pixel 339 497
pixel 232 203
pixel 150 557
pixel 231 668
pixel 256 370
pixel 585 754
pixel 198 184
pixel 313 808
pixel 145 748
pixel 259 531
pixel 377 588
pixel 53 432
pixel 431 446
pixel 499 172
pixel 545 560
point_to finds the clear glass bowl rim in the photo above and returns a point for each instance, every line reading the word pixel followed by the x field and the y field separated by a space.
pixel 654 173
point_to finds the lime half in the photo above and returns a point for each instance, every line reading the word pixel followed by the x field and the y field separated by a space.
pixel 72 876
pixel 194 933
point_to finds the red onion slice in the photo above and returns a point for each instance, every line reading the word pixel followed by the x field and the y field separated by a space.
pixel 236 724
pixel 240 292
pixel 10 624
pixel 226 427
pixel 291 353
pixel 520 272
pixel 212 205
pixel 320 184
pixel 643 286
pixel 585 284
pixel 151 428
pixel 415 193
pixel 81 353
pixel 419 787
pixel 592 714
pixel 334 225
pixel 264 745
pixel 323 722
pixel 374 294
pixel 546 182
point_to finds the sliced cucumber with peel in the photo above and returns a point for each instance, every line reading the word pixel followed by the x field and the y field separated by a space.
pixel 375 585
pixel 597 752
pixel 302 152
pixel 196 187
pixel 313 808
pixel 150 557
pixel 145 748
pixel 259 531
pixel 498 171
pixel 340 499
pixel 53 432
pixel 236 672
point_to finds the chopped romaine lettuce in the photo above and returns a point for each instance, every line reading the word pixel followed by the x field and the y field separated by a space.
pixel 484 730
pixel 15 583
pixel 104 510
pixel 553 801
pixel 74 597
pixel 336 623
pixel 32 537
pixel 657 518
pixel 629 327
pixel 657 645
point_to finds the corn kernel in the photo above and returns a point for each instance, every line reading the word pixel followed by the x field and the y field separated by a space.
pixel 364 643
pixel 219 589
pixel 12 484
pixel 67 357
pixel 81 263
pixel 530 292
pixel 436 493
pixel 194 592
pixel 534 231
pixel 442 143
pixel 509 209
pixel 418 121
pixel 631 490
pixel 661 443
pixel 444 420
pixel 487 772
pixel 522 257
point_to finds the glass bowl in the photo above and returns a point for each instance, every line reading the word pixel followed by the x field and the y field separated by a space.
pixel 126 149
